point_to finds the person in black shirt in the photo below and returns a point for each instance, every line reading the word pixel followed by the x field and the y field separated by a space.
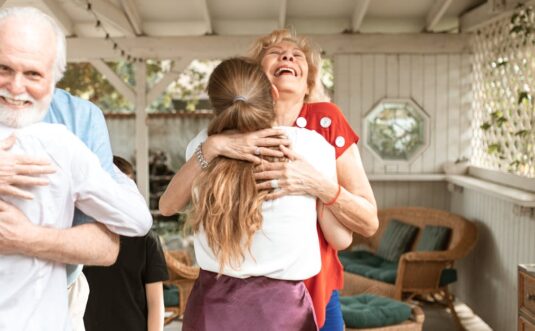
pixel 129 294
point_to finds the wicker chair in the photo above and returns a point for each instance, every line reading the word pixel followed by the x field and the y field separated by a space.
pixel 182 275
pixel 418 273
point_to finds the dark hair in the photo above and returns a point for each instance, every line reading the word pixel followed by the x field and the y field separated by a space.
pixel 225 200
pixel 123 165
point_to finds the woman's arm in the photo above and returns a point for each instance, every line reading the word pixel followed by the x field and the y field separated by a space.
pixel 355 207
pixel 155 306
pixel 338 236
pixel 240 146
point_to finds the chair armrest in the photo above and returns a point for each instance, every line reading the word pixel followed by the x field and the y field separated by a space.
pixel 420 271
pixel 442 256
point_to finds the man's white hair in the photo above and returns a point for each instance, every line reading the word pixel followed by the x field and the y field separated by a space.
pixel 35 15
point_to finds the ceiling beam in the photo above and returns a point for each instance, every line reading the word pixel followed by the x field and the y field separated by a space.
pixel 114 79
pixel 178 67
pixel 282 13
pixel 361 7
pixel 207 17
pixel 60 15
pixel 217 47
pixel 436 13
pixel 110 14
pixel 132 13
pixel 487 13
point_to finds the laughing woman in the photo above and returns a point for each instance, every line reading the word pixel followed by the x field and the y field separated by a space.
pixel 292 65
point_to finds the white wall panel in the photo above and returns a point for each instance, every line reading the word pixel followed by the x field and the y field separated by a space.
pixel 170 134
pixel 440 84
pixel 488 276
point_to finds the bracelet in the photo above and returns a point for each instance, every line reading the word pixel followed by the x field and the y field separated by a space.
pixel 335 197
pixel 200 157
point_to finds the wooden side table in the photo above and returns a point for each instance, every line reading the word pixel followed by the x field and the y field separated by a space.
pixel 526 297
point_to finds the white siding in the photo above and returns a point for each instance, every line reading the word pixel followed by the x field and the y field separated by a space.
pixel 488 276
pixel 439 84
pixel 170 134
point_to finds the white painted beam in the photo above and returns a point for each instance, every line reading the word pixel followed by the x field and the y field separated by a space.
pixel 435 14
pixel 110 14
pixel 60 15
pixel 217 47
pixel 282 13
pixel 207 17
pixel 132 13
pixel 116 81
pixel 142 131
pixel 361 7
pixel 173 74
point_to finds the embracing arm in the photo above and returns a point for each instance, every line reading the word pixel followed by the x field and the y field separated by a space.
pixel 240 146
pixel 355 207
pixel 90 244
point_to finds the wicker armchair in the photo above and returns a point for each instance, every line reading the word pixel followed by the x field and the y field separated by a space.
pixel 182 275
pixel 418 273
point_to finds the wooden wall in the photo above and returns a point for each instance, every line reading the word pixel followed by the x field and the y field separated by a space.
pixel 440 84
pixel 488 276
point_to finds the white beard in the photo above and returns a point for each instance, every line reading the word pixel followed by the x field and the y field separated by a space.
pixel 19 118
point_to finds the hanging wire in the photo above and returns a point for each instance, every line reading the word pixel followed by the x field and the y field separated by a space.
pixel 113 42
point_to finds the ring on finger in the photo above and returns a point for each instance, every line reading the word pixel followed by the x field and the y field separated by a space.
pixel 274 183
pixel 257 151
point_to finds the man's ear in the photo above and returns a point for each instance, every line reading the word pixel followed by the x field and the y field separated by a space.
pixel 274 93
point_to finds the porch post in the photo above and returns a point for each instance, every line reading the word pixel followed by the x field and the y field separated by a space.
pixel 142 130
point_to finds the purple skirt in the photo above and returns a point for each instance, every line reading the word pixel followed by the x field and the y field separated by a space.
pixel 255 303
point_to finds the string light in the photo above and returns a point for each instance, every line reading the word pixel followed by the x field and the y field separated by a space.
pixel 115 45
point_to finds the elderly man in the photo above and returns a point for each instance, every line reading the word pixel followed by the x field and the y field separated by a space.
pixel 29 68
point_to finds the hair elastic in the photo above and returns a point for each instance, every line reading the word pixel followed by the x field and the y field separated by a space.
pixel 239 98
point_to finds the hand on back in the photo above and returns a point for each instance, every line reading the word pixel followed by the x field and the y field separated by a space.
pixel 20 171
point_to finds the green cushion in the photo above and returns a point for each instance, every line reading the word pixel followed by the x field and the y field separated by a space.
pixel 396 240
pixel 372 311
pixel 448 276
pixel 369 265
pixel 170 295
pixel 434 238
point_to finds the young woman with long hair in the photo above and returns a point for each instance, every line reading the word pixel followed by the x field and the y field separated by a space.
pixel 253 253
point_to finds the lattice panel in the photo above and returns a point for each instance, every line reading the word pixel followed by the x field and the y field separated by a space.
pixel 504 92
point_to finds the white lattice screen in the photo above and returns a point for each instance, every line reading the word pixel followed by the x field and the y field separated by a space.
pixel 504 92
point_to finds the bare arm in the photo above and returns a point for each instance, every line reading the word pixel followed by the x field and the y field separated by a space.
pixel 235 146
pixel 91 244
pixel 355 207
pixel 337 235
pixel 155 306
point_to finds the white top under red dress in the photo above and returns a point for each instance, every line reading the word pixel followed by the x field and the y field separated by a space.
pixel 286 247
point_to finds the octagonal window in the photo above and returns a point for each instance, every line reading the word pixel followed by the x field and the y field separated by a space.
pixel 397 130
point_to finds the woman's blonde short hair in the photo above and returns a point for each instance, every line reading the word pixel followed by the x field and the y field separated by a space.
pixel 312 55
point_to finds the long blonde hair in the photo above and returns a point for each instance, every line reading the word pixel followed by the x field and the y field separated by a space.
pixel 312 55
pixel 226 203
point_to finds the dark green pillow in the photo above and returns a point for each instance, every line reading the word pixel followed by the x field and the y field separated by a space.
pixel 434 238
pixel 372 311
pixel 170 295
pixel 396 240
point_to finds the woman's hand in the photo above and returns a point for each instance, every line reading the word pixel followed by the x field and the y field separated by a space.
pixel 246 146
pixel 294 177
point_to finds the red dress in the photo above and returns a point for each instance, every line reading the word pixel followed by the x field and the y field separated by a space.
pixel 326 119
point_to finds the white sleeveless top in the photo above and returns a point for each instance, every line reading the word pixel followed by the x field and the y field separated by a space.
pixel 286 246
